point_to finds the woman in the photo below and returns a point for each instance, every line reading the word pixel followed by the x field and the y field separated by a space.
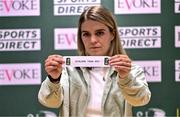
pixel 95 92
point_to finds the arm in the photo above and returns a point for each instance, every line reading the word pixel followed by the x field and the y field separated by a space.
pixel 131 80
pixel 50 94
pixel 135 88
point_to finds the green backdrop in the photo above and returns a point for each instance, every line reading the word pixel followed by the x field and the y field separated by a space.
pixel 21 100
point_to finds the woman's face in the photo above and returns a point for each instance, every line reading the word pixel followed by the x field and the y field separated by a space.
pixel 96 38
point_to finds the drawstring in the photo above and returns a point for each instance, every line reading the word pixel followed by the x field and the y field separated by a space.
pixel 69 97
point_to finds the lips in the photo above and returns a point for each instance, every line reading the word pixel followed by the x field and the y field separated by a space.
pixel 94 47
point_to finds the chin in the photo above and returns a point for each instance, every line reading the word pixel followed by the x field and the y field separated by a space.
pixel 96 54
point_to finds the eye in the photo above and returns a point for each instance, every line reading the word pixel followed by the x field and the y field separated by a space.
pixel 85 34
pixel 100 33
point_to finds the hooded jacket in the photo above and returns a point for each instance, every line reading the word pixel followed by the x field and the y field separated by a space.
pixel 72 93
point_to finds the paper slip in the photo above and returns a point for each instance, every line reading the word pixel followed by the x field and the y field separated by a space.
pixel 86 61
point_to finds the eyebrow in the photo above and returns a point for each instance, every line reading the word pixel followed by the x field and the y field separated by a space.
pixel 101 30
pixel 95 31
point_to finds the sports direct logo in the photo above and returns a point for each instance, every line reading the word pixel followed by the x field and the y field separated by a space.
pixel 20 39
pixel 73 7
pixel 140 37
pixel 137 6
pixel 19 7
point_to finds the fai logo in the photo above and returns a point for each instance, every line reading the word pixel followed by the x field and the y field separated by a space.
pixel 43 113
pixel 151 112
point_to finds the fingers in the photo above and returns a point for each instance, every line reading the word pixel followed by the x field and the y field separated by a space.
pixel 55 58
pixel 122 64
pixel 53 62
pixel 120 61
pixel 122 68
pixel 51 67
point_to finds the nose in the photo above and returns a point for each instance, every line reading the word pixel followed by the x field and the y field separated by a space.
pixel 94 39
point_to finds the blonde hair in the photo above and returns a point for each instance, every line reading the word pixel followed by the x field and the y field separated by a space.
pixel 104 16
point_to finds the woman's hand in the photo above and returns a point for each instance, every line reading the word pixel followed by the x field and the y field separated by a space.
pixel 53 65
pixel 122 64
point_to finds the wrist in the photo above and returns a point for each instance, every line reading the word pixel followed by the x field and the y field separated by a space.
pixel 54 80
pixel 122 76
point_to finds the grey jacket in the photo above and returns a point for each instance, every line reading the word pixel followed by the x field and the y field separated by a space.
pixel 72 94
